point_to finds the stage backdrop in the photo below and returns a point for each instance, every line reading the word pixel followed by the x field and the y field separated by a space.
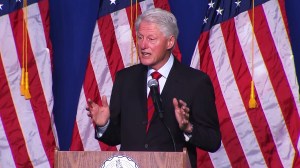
pixel 216 37
pixel 91 40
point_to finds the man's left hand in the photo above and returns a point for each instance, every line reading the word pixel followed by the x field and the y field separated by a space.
pixel 182 115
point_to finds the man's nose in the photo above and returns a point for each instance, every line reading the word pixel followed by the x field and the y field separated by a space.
pixel 143 44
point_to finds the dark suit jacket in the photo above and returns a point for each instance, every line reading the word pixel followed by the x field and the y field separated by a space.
pixel 128 106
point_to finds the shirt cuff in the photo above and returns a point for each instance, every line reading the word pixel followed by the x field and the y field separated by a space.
pixel 100 130
pixel 187 137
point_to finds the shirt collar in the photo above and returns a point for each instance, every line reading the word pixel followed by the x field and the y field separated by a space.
pixel 164 70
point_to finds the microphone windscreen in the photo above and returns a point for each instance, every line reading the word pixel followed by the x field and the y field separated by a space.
pixel 152 82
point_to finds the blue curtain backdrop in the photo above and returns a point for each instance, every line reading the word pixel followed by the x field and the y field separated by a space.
pixel 72 26
pixel 72 23
pixel 294 25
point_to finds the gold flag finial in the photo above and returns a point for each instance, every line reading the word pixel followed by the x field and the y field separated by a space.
pixel 252 101
pixel 25 78
pixel 22 84
pixel 27 93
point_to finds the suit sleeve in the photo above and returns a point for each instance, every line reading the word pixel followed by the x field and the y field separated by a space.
pixel 206 130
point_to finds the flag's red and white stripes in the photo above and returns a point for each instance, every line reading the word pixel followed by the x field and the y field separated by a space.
pixel 267 136
pixel 28 135
pixel 112 49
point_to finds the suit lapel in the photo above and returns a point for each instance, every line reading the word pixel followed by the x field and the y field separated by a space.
pixel 142 89
pixel 173 81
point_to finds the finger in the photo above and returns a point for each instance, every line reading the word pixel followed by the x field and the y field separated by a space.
pixel 89 114
pixel 186 109
pixel 182 103
pixel 104 101
pixel 175 103
pixel 187 115
pixel 184 124
pixel 90 102
pixel 185 121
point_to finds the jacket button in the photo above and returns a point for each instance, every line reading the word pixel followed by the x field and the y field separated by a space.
pixel 146 146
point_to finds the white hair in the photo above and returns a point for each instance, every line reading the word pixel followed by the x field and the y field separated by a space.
pixel 164 19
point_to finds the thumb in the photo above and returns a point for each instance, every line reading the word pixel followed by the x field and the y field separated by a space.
pixel 175 103
pixel 104 101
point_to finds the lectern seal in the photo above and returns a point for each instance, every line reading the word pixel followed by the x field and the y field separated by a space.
pixel 119 161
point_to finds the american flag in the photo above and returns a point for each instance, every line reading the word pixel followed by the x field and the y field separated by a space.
pixel 112 49
pixel 233 55
pixel 27 130
pixel 267 136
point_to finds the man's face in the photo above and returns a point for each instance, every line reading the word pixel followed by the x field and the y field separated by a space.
pixel 154 48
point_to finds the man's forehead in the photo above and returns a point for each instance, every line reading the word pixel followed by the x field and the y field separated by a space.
pixel 149 28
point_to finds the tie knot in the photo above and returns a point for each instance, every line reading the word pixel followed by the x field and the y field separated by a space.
pixel 156 75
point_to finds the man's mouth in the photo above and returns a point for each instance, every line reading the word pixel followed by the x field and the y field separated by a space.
pixel 145 54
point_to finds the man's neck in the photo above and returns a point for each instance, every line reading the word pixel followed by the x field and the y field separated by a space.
pixel 165 69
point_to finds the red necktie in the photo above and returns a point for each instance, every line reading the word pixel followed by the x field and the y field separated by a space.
pixel 155 75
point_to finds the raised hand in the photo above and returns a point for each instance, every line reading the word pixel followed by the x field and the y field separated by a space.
pixel 99 114
pixel 182 115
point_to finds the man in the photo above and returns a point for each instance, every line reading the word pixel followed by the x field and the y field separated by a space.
pixel 189 116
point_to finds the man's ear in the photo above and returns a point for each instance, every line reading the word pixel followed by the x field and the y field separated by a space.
pixel 171 42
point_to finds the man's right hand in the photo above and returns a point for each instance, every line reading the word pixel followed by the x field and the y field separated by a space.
pixel 99 114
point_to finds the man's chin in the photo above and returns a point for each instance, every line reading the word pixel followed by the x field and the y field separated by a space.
pixel 145 62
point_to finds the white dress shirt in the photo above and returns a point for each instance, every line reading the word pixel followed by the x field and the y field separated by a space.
pixel 164 71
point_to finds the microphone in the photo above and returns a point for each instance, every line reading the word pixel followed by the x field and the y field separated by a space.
pixel 153 85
